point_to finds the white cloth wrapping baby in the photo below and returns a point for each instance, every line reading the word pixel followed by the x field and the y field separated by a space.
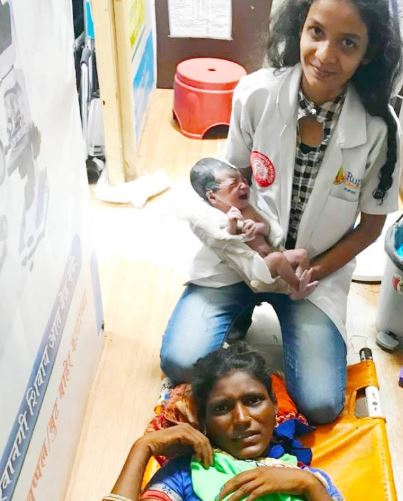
pixel 209 225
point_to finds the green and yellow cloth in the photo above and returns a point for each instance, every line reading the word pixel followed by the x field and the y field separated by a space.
pixel 207 482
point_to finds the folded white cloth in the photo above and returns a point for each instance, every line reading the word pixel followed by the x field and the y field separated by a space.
pixel 136 192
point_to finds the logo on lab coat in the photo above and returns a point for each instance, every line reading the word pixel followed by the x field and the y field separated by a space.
pixel 263 169
pixel 340 176
pixel 351 183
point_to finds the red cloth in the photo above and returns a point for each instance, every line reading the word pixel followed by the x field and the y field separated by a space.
pixel 179 406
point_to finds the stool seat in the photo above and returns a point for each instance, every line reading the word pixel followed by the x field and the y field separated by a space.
pixel 210 73
pixel 203 89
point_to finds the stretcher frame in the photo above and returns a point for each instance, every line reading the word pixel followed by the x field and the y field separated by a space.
pixel 353 450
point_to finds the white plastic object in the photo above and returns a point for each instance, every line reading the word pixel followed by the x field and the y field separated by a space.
pixel 371 261
pixel 371 392
pixel 373 401
pixel 387 341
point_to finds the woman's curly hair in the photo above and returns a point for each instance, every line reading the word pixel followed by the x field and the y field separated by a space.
pixel 220 363
pixel 374 81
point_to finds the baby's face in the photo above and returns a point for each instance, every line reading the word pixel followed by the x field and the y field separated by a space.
pixel 233 190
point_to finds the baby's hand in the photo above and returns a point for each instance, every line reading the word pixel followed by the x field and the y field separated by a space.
pixel 234 218
pixel 252 228
pixel 234 214
pixel 306 287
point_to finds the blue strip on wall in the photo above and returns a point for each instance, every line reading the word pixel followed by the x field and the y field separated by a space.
pixel 143 84
pixel 15 451
pixel 96 287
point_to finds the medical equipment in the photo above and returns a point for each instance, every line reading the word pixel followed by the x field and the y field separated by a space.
pixel 90 102
pixel 390 318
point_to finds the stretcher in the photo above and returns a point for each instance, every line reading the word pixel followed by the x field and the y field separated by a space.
pixel 353 450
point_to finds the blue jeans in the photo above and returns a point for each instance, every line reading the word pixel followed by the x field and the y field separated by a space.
pixel 314 350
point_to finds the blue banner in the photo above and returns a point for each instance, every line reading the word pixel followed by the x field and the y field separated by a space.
pixel 143 84
pixel 15 451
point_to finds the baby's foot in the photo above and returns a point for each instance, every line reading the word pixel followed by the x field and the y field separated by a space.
pixel 299 271
pixel 306 287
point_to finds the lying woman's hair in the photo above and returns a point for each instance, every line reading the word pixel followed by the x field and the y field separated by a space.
pixel 203 175
pixel 373 81
pixel 217 364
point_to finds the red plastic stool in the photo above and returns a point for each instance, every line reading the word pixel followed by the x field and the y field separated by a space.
pixel 203 91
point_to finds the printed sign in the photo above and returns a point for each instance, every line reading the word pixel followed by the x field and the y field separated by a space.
pixel 143 84
pixel 50 308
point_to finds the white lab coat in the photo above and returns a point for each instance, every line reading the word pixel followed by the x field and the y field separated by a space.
pixel 263 120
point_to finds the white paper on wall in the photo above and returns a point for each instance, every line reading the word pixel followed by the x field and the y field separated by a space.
pixel 397 13
pixel 200 19
pixel 50 309
pixel 397 5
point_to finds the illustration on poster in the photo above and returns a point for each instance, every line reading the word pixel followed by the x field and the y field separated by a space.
pixel 19 148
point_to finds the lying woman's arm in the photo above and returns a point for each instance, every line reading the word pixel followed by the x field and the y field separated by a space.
pixel 264 480
pixel 130 478
pixel 363 235
pixel 179 439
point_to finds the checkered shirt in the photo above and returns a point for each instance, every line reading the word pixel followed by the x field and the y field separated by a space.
pixel 308 159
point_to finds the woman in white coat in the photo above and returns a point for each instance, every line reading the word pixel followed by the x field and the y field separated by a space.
pixel 319 139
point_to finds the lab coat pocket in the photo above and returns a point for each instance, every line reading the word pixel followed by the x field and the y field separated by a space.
pixel 347 193
pixel 335 220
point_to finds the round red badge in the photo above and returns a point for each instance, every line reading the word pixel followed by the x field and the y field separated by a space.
pixel 263 169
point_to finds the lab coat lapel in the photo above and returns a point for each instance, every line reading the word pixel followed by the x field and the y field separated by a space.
pixel 332 161
pixel 350 132
pixel 287 106
pixel 288 137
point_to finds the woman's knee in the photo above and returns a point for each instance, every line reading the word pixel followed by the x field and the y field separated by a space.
pixel 177 368
pixel 319 397
pixel 180 352
pixel 324 410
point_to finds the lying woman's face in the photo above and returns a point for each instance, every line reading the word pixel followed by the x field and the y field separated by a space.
pixel 240 416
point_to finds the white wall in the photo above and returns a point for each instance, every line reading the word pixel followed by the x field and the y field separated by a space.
pixel 50 307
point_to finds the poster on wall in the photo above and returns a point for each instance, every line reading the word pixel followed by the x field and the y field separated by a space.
pixel 143 64
pixel 50 308
pixel 200 19
pixel 143 84
pixel 137 24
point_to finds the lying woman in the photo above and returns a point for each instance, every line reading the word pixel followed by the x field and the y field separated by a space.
pixel 236 411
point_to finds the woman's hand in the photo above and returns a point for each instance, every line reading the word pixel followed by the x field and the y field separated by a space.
pixel 177 440
pixel 363 235
pixel 256 483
